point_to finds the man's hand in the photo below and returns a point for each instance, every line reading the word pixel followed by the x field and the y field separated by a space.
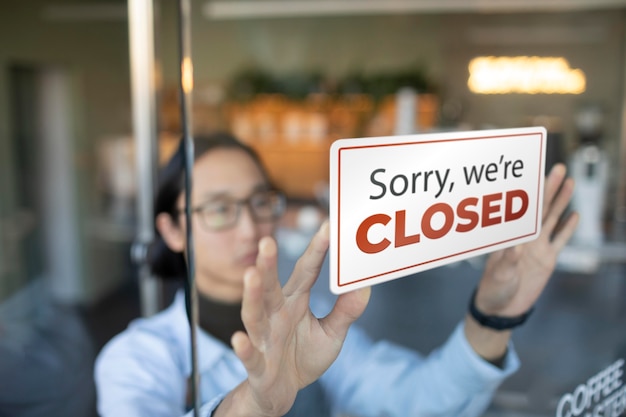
pixel 285 347
pixel 515 277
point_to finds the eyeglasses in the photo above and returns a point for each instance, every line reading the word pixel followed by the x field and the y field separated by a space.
pixel 264 206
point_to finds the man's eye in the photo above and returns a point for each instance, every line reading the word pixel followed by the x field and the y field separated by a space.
pixel 262 201
pixel 221 208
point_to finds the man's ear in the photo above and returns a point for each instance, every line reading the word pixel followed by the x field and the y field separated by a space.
pixel 171 232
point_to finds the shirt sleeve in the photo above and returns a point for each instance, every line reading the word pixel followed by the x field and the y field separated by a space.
pixel 137 375
pixel 375 379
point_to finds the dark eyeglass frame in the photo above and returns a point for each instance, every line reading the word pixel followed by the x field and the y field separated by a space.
pixel 279 206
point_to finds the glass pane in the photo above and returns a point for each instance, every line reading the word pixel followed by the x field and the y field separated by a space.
pixel 291 85
pixel 289 81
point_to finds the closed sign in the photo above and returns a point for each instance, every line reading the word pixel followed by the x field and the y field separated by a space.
pixel 403 204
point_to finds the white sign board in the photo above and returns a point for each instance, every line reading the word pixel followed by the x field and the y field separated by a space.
pixel 404 204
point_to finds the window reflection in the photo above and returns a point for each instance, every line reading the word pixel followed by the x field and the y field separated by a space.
pixel 48 342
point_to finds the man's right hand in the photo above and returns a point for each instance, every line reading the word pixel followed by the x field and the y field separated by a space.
pixel 285 347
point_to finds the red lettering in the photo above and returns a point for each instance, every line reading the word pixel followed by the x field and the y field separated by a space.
pixel 466 214
pixel 509 215
pixel 470 212
pixel 401 238
pixel 361 234
pixel 489 209
pixel 427 229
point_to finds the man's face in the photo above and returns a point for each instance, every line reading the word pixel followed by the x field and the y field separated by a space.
pixel 221 177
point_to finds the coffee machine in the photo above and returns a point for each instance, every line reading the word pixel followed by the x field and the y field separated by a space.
pixel 589 166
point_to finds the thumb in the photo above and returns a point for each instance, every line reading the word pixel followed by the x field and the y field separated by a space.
pixel 347 309
pixel 514 253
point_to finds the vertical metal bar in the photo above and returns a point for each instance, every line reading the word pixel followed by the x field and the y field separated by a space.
pixel 620 206
pixel 143 88
pixel 186 88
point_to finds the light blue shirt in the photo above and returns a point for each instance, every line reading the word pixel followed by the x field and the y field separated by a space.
pixel 144 372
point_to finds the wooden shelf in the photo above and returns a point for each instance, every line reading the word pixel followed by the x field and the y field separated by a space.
pixel 297 169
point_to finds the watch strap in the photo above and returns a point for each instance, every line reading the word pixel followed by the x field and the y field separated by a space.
pixel 496 322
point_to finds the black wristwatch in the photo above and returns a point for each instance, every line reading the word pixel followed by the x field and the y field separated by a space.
pixel 496 322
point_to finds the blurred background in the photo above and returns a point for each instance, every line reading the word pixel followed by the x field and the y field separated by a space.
pixel 89 107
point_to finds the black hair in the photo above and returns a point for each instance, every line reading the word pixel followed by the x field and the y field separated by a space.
pixel 162 260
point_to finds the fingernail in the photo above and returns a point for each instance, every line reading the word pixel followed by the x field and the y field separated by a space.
pixel 325 227
pixel 558 168
pixel 266 248
pixel 247 277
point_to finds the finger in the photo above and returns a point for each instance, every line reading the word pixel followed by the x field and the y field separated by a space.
pixel 563 235
pixel 559 205
pixel 244 349
pixel 514 253
pixel 310 263
pixel 253 313
pixel 553 183
pixel 268 270
pixel 347 309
